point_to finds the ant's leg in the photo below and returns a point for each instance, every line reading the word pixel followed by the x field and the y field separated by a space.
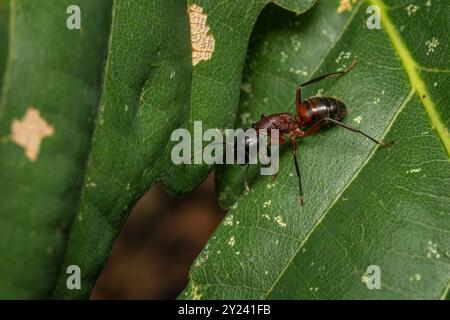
pixel 323 77
pixel 281 140
pixel 297 169
pixel 359 131
pixel 246 188
pixel 314 128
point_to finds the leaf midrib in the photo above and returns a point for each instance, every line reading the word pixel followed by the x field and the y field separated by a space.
pixel 338 196
pixel 411 67
pixel 417 85
pixel 344 29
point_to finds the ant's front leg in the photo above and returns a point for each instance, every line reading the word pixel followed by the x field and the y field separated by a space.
pixel 297 169
pixel 281 140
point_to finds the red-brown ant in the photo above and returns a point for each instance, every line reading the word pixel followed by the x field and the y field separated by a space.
pixel 311 115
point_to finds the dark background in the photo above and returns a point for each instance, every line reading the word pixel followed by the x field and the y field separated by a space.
pixel 163 235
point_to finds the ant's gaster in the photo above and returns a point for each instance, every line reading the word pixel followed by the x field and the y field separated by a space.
pixel 311 115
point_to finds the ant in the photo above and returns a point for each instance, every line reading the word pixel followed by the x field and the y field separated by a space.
pixel 311 115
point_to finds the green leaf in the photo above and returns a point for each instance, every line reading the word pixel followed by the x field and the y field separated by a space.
pixel 105 99
pixel 4 23
pixel 38 190
pixel 364 205
pixel 144 98
pixel 215 83
pixel 133 108
pixel 101 214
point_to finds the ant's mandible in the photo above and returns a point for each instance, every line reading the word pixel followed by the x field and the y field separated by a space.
pixel 311 115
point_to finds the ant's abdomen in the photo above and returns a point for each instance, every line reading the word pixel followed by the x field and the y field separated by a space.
pixel 325 107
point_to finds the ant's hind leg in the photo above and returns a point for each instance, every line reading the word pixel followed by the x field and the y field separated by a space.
pixel 382 143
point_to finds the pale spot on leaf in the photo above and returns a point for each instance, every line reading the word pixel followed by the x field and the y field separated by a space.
pixel 270 185
pixel 365 278
pixel 358 119
pixel 432 250
pixel 411 9
pixel 343 55
pixel 30 131
pixel 345 5
pixel 202 43
pixel 280 222
pixel 431 45
pixel 267 203
pixel 228 220
pixel 417 277
pixel 195 291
